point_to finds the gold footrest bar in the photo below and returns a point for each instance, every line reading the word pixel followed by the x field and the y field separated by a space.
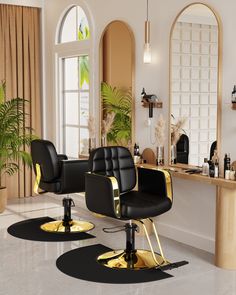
pixel 164 261
pixel 74 226
pixel 137 260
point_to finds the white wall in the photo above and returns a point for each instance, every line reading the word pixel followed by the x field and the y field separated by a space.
pixel 192 218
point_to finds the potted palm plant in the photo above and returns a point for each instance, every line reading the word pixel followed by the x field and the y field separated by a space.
pixel 118 103
pixel 14 136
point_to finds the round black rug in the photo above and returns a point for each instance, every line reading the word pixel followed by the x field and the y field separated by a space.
pixel 30 230
pixel 81 264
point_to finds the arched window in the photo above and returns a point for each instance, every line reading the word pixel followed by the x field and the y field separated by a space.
pixel 74 26
pixel 73 50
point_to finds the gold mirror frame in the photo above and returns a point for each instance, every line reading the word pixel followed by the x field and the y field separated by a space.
pixel 132 40
pixel 219 82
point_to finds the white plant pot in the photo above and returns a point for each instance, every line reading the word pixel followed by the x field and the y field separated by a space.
pixel 3 198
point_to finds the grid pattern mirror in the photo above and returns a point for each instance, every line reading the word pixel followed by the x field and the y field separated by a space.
pixel 194 67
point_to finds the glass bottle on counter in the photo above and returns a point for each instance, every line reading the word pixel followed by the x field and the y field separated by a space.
pixel 233 96
pixel 226 163
pixel 136 154
pixel 205 167
pixel 216 174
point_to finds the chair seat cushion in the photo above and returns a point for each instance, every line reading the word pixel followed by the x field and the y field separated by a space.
pixel 50 186
pixel 140 205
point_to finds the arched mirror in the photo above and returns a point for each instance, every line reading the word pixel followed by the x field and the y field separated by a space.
pixel 195 100
pixel 117 79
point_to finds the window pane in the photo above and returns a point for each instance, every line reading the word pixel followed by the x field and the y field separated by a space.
pixel 71 141
pixel 68 32
pixel 84 108
pixel 84 72
pixel 83 26
pixel 71 73
pixel 84 135
pixel 71 109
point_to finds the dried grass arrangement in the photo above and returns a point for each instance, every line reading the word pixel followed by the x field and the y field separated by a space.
pixel 107 123
pixel 177 130
pixel 160 131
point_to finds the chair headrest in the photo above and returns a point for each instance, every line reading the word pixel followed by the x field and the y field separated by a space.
pixel 114 161
pixel 44 153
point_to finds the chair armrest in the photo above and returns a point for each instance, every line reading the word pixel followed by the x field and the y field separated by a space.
pixel 73 176
pixel 102 194
pixel 155 181
pixel 62 157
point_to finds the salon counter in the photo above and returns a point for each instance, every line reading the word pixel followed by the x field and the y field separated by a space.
pixel 225 240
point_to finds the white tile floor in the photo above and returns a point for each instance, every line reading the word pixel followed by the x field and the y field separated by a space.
pixel 28 268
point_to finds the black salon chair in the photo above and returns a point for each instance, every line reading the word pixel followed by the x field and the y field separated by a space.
pixel 56 174
pixel 182 148
pixel 109 191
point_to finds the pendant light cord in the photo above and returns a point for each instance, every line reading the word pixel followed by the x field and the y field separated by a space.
pixel 147 10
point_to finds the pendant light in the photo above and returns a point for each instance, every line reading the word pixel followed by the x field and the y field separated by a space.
pixel 147 47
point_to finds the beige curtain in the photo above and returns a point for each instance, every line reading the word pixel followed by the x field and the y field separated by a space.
pixel 20 68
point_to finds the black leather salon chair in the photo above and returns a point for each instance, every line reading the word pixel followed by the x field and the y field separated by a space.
pixel 182 148
pixel 109 191
pixel 56 174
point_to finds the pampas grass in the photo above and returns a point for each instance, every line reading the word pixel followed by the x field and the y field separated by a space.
pixel 177 130
pixel 160 131
pixel 91 126
pixel 107 123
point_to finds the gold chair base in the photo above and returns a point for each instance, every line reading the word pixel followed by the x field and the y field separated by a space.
pixel 138 260
pixel 74 226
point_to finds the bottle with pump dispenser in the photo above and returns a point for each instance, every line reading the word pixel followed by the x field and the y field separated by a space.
pixel 215 160
pixel 226 165
pixel 205 167
pixel 216 173
pixel 136 154
pixel 233 96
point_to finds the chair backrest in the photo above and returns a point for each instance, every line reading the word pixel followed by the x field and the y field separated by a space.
pixel 114 161
pixel 44 153
pixel 212 149
pixel 182 148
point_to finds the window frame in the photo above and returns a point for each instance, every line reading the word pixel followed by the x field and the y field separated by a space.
pixel 66 50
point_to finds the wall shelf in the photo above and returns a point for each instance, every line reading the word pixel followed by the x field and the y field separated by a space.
pixel 157 105
pixel 233 105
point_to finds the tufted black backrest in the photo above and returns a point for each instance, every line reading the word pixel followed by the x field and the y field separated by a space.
pixel 114 161
pixel 44 153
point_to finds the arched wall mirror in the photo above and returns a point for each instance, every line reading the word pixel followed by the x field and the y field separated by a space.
pixel 117 84
pixel 195 99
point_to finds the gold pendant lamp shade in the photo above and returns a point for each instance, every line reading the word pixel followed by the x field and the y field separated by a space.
pixel 147 58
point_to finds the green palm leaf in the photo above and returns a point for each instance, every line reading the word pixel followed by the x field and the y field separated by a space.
pixel 14 135
pixel 119 101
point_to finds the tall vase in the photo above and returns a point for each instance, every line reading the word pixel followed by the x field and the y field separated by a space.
pixel 160 155
pixel 104 140
pixel 173 153
pixel 92 144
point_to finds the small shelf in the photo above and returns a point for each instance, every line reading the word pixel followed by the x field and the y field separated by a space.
pixel 233 105
pixel 157 105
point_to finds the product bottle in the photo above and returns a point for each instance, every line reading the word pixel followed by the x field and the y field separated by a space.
pixel 226 163
pixel 216 175
pixel 211 168
pixel 205 168
pixel 234 94
pixel 136 149
pixel 232 174
pixel 136 154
